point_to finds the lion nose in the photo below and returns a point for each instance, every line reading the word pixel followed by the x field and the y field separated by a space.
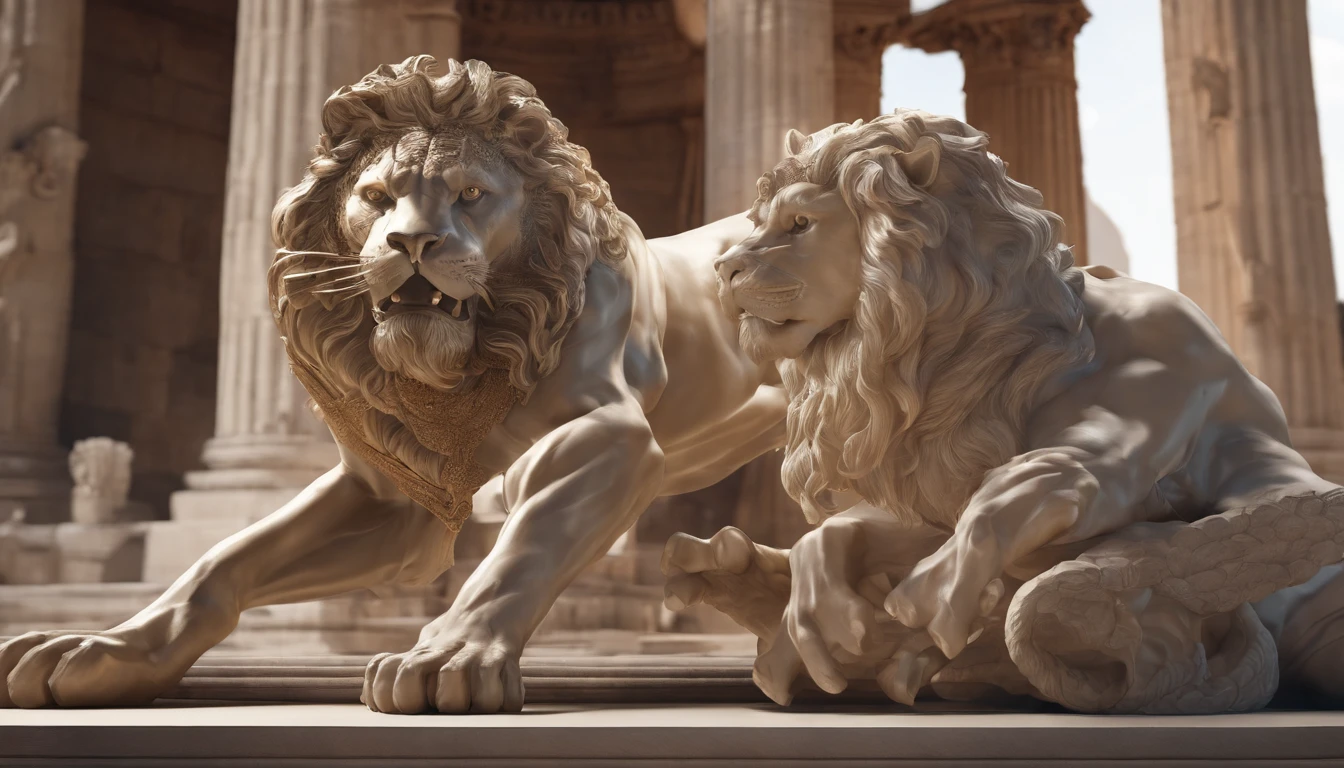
pixel 414 245
pixel 730 264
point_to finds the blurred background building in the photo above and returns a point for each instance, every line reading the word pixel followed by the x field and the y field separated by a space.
pixel 147 140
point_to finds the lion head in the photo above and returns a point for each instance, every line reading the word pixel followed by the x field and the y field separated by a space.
pixel 918 300
pixel 445 226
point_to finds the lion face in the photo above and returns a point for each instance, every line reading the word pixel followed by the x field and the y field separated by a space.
pixel 796 276
pixel 430 214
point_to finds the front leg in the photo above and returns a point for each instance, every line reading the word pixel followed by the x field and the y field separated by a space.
pixel 349 529
pixel 1098 452
pixel 570 496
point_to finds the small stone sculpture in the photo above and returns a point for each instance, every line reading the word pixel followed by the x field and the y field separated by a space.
pixel 1027 476
pixel 101 469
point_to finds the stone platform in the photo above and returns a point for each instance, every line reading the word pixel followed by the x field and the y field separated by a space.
pixel 650 710
pixel 657 735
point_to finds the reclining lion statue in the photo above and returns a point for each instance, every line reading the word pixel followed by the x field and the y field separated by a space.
pixel 463 300
pixel 1055 481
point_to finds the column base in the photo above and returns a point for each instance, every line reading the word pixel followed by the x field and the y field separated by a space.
pixel 34 478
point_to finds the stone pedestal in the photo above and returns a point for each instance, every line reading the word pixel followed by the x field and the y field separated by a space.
pixel 1020 89
pixel 40 45
pixel 769 68
pixel 1252 235
pixel 291 55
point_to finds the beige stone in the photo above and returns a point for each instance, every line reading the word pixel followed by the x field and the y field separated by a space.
pixel 39 87
pixel 1020 89
pixel 1253 241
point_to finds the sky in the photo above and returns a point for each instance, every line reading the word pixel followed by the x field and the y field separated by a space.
pixel 1122 111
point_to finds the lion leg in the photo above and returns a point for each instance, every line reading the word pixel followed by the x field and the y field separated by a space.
pixel 1179 592
pixel 332 538
pixel 1306 619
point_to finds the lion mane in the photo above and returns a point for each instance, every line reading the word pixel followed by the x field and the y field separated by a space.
pixel 537 295
pixel 968 306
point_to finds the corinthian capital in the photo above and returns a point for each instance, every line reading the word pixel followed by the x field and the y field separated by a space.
pixel 1002 34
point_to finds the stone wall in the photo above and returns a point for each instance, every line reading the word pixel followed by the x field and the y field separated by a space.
pixel 145 314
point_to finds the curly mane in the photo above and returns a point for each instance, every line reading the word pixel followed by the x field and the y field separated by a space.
pixel 570 221
pixel 969 304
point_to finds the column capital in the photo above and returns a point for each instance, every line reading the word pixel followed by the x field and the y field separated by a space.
pixel 1002 35
pixel 865 28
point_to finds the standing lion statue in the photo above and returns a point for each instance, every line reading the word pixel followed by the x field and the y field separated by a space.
pixel 1030 478
pixel 477 323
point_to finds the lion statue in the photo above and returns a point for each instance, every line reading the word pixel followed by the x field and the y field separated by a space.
pixel 1030 478
pixel 477 323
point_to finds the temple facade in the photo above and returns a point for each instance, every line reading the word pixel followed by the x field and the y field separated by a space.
pixel 146 142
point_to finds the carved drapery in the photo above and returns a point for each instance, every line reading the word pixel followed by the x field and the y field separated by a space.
pixel 39 100
pixel 1020 89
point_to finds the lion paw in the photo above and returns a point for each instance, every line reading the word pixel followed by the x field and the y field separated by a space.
pixel 84 669
pixel 947 593
pixel 744 580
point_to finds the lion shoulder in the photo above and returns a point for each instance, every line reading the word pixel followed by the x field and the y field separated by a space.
pixel 1134 319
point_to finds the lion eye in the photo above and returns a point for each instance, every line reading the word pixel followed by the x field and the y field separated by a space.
pixel 800 223
pixel 375 196
pixel 471 193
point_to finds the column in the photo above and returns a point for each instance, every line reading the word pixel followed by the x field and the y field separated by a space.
pixel 41 42
pixel 863 30
pixel 291 55
pixel 1252 235
pixel 1020 89
pixel 769 67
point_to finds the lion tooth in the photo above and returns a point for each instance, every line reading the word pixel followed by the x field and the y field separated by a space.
pixel 457 310
pixel 436 299
pixel 396 298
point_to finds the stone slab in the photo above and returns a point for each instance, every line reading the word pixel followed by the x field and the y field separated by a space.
pixel 702 735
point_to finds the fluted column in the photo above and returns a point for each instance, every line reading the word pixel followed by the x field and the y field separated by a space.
pixel 40 49
pixel 291 55
pixel 1252 237
pixel 1020 89
pixel 863 30
pixel 769 67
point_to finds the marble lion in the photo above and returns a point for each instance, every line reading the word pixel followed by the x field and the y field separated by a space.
pixel 1029 477
pixel 464 302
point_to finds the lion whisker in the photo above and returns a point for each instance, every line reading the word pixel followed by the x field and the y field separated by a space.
pixel 351 291
pixel 313 274
pixel 326 254
pixel 351 281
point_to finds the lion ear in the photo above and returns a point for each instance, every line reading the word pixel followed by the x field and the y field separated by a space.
pixel 531 131
pixel 795 141
pixel 921 163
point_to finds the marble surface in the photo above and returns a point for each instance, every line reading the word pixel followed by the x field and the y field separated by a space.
pixel 341 734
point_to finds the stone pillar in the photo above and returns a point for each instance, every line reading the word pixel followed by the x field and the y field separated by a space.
pixel 291 55
pixel 769 67
pixel 863 30
pixel 1252 235
pixel 41 42
pixel 1020 89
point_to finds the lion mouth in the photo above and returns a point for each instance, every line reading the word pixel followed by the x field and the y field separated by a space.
pixel 418 295
pixel 745 315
